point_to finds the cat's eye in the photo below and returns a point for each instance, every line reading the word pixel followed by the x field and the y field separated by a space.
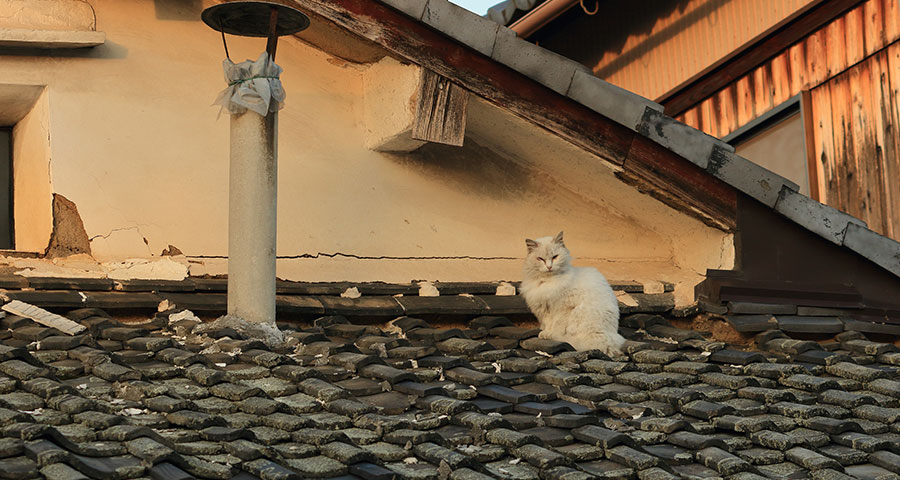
pixel 541 259
pixel 554 257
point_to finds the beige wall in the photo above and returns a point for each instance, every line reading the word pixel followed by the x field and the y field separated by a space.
pixel 137 147
pixel 73 15
pixel 32 185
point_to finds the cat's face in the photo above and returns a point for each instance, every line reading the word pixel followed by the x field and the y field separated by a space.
pixel 547 255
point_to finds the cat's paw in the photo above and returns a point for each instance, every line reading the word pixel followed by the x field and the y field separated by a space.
pixel 544 334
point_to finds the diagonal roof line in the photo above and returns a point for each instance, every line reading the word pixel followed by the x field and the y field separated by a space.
pixel 640 115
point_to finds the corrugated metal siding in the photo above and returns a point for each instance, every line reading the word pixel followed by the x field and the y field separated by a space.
pixel 685 41
pixel 852 68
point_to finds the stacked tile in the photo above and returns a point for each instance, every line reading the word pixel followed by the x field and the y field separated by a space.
pixel 492 400
pixel 750 317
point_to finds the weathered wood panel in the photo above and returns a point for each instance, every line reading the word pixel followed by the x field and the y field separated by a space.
pixel 824 142
pixel 851 66
pixel 840 178
pixel 890 111
pixel 440 110
pixel 856 142
pixel 809 128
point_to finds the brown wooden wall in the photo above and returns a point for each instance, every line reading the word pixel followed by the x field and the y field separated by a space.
pixel 851 67
pixel 674 39
pixel 857 141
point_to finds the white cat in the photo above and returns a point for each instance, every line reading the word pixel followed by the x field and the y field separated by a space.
pixel 573 304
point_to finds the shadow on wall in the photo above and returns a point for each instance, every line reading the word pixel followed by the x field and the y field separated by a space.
pixel 472 169
pixel 109 50
pixel 588 38
pixel 178 10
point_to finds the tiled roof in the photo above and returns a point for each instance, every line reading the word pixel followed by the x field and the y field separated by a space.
pixel 483 399
pixel 748 318
pixel 374 299
pixel 645 117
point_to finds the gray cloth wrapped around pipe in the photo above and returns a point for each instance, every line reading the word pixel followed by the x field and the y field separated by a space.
pixel 252 85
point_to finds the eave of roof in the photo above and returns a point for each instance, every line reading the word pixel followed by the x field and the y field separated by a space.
pixel 625 120
pixel 640 159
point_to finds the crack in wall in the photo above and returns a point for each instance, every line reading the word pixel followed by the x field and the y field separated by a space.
pixel 366 257
pixel 425 257
pixel 136 228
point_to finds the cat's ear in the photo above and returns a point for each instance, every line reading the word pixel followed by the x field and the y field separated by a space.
pixel 531 244
pixel 558 238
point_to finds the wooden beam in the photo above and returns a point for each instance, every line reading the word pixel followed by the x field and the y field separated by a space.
pixel 440 111
pixel 752 54
pixel 674 181
pixel 809 126
pixel 512 91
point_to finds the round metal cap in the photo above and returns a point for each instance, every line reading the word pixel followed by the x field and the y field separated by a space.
pixel 251 19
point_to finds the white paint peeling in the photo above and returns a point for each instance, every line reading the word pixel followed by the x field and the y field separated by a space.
pixel 351 292
pixel 506 289
pixel 427 289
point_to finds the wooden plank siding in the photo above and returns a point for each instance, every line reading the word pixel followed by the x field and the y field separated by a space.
pixel 851 69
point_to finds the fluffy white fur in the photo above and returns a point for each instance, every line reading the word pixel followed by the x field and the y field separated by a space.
pixel 573 304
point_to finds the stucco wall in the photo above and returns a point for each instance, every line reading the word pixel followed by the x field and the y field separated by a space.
pixel 137 147
pixel 32 185
pixel 47 15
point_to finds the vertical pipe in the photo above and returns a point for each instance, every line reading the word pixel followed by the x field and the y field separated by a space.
pixel 251 217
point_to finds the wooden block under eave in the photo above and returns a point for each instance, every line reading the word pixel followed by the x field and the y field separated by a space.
pixel 440 110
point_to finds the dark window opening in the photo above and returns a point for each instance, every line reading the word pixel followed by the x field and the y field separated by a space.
pixel 6 186
pixel 777 141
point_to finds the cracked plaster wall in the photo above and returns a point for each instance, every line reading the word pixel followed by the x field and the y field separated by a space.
pixel 139 150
